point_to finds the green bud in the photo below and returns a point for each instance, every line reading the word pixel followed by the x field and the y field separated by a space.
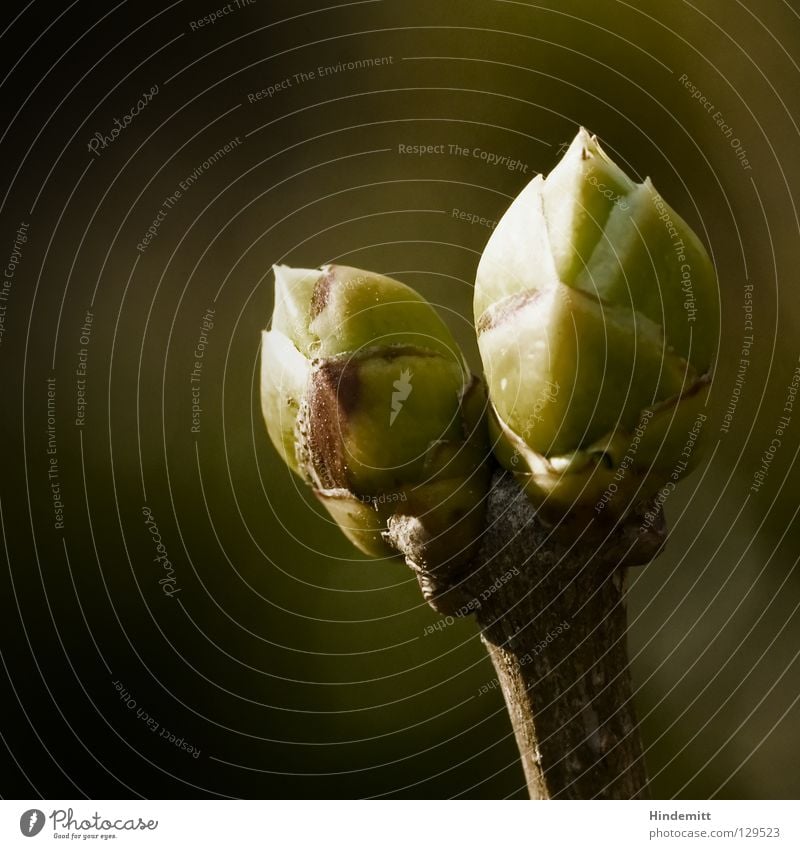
pixel 597 315
pixel 366 396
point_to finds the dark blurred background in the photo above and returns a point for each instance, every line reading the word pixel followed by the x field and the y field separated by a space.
pixel 296 667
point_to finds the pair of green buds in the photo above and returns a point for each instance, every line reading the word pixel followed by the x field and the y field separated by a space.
pixel 596 309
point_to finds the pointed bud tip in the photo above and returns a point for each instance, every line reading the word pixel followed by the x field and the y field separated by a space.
pixel 586 157
pixel 288 279
pixel 587 140
pixel 294 288
pixel 576 158
pixel 583 146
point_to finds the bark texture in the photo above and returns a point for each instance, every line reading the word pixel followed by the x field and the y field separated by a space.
pixel 550 601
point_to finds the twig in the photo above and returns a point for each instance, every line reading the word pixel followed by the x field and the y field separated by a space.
pixel 550 602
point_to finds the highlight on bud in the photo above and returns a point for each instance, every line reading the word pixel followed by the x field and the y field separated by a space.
pixel 366 396
pixel 597 314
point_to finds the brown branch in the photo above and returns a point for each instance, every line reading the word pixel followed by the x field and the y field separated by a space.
pixel 550 602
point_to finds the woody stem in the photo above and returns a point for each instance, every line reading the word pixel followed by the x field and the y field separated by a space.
pixel 550 602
